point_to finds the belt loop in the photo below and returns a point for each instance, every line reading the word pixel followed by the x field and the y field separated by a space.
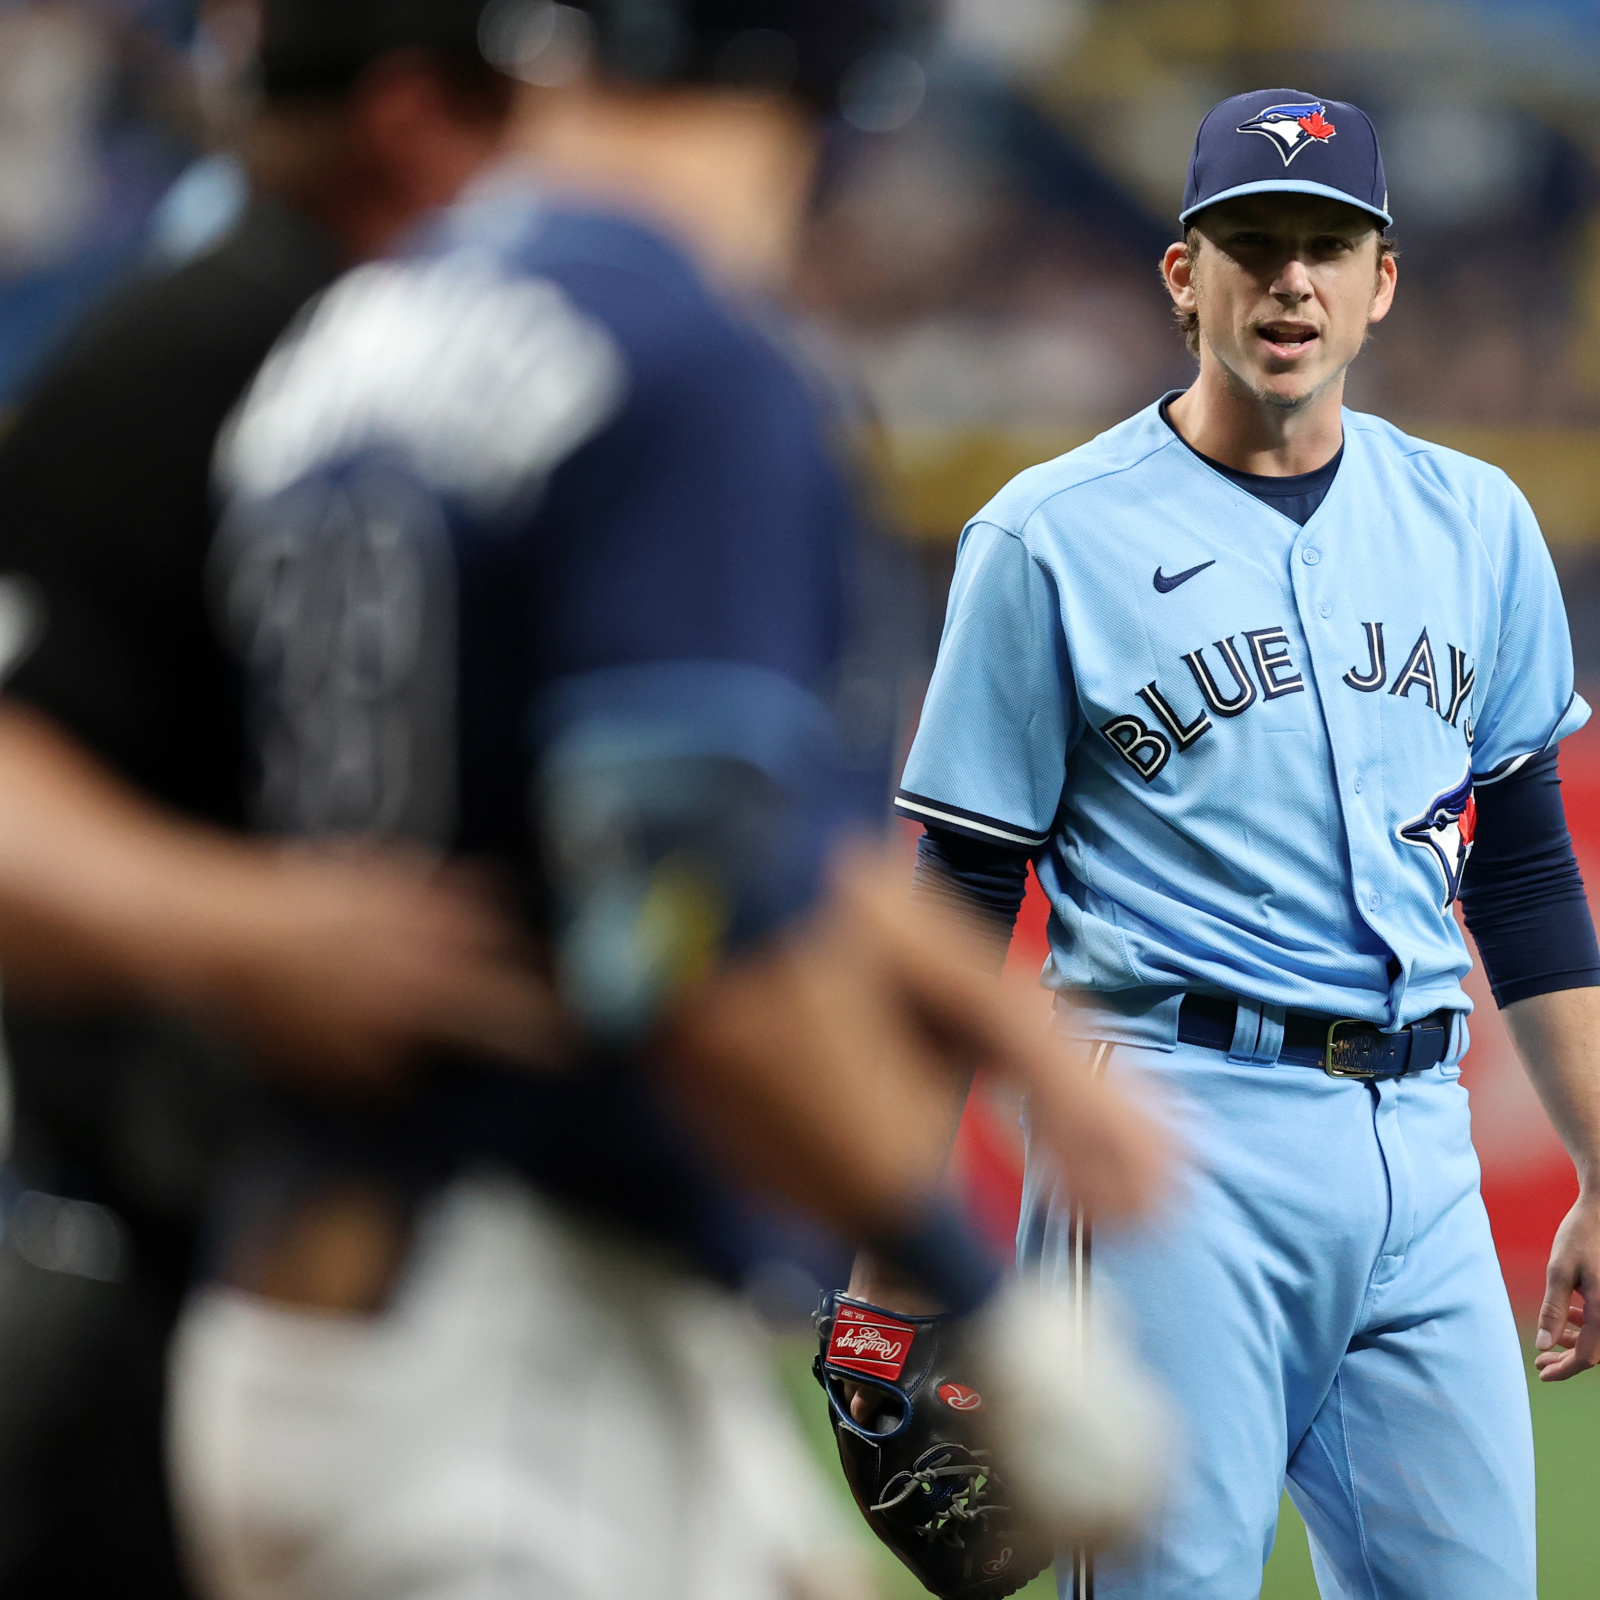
pixel 1269 1045
pixel 1246 1031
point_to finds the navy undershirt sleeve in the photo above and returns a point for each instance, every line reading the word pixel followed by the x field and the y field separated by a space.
pixel 974 874
pixel 1522 892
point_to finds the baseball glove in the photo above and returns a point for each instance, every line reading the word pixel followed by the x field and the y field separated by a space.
pixel 922 1471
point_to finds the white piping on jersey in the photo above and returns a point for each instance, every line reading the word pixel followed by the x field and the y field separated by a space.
pixel 1033 840
pixel 1506 769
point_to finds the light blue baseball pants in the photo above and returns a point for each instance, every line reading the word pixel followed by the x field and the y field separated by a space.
pixel 1324 1304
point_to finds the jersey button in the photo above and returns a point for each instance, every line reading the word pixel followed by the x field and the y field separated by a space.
pixel 1325 609
pixel 1374 901
pixel 1360 785
pixel 1311 555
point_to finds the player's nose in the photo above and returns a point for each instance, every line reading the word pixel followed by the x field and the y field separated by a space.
pixel 1292 283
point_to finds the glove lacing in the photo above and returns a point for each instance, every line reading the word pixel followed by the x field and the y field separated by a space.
pixel 945 1523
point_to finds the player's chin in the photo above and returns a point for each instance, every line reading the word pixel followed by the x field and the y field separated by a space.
pixel 1287 390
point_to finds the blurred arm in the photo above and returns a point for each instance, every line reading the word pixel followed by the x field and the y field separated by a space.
pixel 329 961
pixel 973 889
pixel 856 1039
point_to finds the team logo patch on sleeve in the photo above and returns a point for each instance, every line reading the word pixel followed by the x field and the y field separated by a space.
pixel 875 1345
pixel 1291 128
pixel 1445 829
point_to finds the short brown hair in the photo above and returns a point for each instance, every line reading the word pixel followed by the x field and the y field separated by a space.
pixel 1189 321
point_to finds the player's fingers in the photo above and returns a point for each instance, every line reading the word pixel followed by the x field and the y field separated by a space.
pixel 1556 1366
pixel 1560 1286
pixel 1585 1352
pixel 862 1401
pixel 1115 1158
pixel 808 1085
pixel 502 1009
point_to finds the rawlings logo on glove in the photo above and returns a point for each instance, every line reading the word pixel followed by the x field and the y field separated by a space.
pixel 923 1478
pixel 869 1342
pixel 999 1436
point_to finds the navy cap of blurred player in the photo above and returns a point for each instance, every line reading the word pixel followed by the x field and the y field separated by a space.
pixel 1279 141
pixel 821 51
pixel 321 47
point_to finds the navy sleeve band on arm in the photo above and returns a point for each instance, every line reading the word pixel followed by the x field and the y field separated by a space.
pixel 1522 892
pixel 975 874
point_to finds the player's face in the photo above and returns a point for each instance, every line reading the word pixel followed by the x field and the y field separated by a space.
pixel 1286 287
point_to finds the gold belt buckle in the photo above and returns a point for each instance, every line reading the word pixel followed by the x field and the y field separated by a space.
pixel 1336 1061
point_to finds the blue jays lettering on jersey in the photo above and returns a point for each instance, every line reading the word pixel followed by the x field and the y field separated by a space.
pixel 1259 781
pixel 534 497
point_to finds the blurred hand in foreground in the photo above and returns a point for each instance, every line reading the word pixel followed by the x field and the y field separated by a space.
pixel 340 962
pixel 335 963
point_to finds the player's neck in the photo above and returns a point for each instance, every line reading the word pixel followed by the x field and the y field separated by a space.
pixel 728 176
pixel 1223 419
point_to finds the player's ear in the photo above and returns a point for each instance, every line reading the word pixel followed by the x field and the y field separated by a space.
pixel 1388 276
pixel 1177 272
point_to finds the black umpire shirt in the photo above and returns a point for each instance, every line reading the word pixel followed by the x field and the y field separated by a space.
pixel 105 504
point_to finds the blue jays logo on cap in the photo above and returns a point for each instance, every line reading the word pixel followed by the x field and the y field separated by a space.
pixel 1445 828
pixel 1291 128
pixel 1256 143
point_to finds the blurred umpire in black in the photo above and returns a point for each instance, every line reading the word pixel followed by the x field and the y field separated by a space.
pixel 370 114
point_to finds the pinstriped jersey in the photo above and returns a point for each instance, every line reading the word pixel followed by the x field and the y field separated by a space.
pixel 1241 751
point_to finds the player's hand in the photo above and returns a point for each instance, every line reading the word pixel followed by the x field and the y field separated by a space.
pixel 338 963
pixel 809 1077
pixel 1568 1339
pixel 832 1068
pixel 1115 1158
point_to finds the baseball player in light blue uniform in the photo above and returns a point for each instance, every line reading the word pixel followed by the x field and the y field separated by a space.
pixel 1246 677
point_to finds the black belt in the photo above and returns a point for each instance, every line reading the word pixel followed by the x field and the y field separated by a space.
pixel 1340 1046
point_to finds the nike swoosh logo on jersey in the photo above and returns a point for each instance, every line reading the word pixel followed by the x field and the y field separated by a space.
pixel 1165 585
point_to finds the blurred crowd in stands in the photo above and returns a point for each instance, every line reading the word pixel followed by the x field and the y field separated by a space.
pixel 991 264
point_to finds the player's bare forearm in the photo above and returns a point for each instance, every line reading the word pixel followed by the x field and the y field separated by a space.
pixel 331 961
pixel 88 870
pixel 1116 1157
pixel 1558 1038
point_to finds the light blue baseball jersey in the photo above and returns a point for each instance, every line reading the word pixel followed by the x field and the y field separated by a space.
pixel 1243 751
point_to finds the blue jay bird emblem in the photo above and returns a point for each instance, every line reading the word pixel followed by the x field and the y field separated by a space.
pixel 1445 828
pixel 1291 128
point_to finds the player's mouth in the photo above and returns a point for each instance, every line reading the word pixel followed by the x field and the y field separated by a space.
pixel 1288 341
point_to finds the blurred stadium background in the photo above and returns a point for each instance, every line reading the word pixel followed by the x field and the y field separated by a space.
pixel 983 264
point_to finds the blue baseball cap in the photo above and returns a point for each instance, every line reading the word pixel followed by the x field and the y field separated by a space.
pixel 1279 141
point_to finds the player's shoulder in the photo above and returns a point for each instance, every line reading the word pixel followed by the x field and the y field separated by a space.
pixel 626 275
pixel 210 320
pixel 1476 484
pixel 456 355
pixel 1072 482
pixel 506 335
